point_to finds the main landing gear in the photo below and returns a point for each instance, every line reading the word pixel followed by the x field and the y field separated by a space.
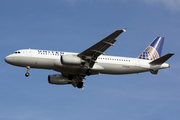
pixel 88 72
pixel 80 84
pixel 27 73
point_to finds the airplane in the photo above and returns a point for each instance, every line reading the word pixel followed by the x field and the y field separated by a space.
pixel 74 67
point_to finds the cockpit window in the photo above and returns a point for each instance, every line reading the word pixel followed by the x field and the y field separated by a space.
pixel 17 52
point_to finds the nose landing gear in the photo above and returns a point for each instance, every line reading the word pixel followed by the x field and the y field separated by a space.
pixel 27 73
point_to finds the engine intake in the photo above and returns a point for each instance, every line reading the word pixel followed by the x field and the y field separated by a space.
pixel 58 79
pixel 71 60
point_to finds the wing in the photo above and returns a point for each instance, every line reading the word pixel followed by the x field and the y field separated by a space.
pixel 94 51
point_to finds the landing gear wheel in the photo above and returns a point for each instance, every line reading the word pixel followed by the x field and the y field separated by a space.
pixel 27 74
pixel 80 85
pixel 88 72
pixel 70 77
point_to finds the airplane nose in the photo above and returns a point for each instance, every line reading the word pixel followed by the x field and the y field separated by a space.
pixel 8 59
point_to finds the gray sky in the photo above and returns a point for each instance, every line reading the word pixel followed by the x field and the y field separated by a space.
pixel 73 26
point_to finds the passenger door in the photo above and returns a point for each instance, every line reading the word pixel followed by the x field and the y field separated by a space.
pixel 28 53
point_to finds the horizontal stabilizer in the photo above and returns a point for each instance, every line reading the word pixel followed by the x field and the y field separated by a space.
pixel 162 59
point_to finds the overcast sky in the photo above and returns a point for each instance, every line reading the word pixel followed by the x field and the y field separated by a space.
pixel 73 26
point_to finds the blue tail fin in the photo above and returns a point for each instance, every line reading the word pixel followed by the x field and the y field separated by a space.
pixel 153 51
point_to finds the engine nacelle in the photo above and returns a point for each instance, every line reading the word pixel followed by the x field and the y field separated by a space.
pixel 58 79
pixel 71 60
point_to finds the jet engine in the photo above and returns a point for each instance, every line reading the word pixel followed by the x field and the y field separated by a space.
pixel 58 79
pixel 71 60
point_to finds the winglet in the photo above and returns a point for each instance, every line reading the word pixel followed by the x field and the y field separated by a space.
pixel 162 59
pixel 124 29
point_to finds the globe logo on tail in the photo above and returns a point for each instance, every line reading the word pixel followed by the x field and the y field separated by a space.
pixel 149 54
pixel 153 51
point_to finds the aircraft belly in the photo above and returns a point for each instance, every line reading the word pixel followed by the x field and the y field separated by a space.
pixel 33 62
pixel 70 69
pixel 121 69
pixel 43 63
pixel 76 69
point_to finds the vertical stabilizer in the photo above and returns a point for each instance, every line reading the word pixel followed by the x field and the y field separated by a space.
pixel 153 51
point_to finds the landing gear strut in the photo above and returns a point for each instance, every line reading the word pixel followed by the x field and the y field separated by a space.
pixel 88 72
pixel 27 73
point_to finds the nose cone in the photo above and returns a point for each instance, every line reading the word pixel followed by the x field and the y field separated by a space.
pixel 8 59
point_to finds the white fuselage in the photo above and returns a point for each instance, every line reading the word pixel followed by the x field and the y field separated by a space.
pixel 46 59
